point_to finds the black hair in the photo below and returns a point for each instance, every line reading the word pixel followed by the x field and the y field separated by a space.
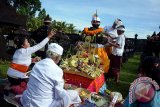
pixel 19 41
pixel 155 74
pixel 152 71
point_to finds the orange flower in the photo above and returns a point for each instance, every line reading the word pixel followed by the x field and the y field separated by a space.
pixel 92 32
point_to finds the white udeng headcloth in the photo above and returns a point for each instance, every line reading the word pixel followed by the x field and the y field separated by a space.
pixel 54 47
pixel 111 32
pixel 96 18
pixel 120 28
pixel 118 22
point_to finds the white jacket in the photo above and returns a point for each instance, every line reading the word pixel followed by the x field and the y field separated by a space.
pixel 23 57
pixel 121 42
pixel 45 87
pixel 110 31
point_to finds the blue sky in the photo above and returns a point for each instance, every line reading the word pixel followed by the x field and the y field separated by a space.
pixel 139 16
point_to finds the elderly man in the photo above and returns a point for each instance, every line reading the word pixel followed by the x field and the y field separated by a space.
pixel 46 84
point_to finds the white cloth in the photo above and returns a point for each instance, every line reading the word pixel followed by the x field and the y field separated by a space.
pixel 54 47
pixel 121 28
pixel 118 23
pixel 45 87
pixel 96 19
pixel 110 31
pixel 121 42
pixel 23 56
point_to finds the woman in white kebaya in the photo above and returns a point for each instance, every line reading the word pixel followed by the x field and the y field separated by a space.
pixel 17 71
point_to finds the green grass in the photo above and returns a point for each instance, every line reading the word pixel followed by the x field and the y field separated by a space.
pixel 128 74
pixel 3 68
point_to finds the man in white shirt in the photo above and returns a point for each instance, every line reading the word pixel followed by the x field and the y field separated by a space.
pixel 46 84
pixel 117 52
pixel 112 30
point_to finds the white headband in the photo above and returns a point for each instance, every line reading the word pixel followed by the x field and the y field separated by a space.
pixel 118 22
pixel 121 28
pixel 96 19
pixel 54 47
pixel 47 21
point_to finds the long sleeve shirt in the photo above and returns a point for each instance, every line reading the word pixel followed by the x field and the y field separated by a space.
pixel 45 87
pixel 23 57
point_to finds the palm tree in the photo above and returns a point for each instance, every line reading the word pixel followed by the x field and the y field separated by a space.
pixel 33 24
pixel 54 24
pixel 63 26
pixel 60 26
pixel 71 28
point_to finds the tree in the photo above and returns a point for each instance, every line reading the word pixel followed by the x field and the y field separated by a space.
pixel 71 28
pixel 63 26
pixel 54 24
pixel 42 14
pixel 33 24
pixel 60 26
pixel 26 7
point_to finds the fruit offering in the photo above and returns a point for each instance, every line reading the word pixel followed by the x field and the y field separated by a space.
pixel 84 61
pixel 83 93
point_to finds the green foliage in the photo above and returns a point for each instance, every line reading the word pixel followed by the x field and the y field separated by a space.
pixel 71 28
pixel 34 23
pixel 27 7
pixel 42 14
pixel 3 68
pixel 30 7
pixel 63 26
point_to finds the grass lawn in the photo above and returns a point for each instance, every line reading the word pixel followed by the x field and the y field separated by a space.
pixel 128 74
pixel 3 68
